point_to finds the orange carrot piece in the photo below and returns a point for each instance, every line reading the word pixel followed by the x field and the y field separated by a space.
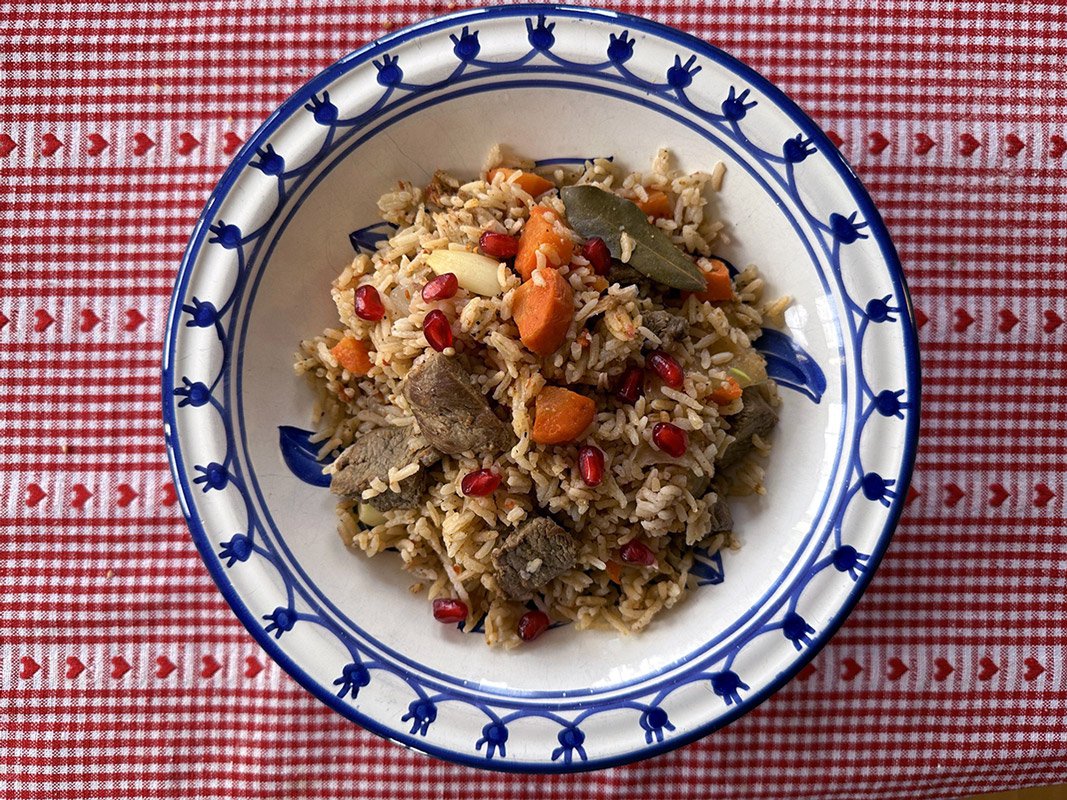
pixel 614 570
pixel 353 355
pixel 529 182
pixel 543 313
pixel 726 392
pixel 561 416
pixel 540 233
pixel 717 283
pixel 657 204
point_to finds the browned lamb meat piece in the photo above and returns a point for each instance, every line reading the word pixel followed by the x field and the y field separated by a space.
pixel 756 418
pixel 453 414
pixel 668 327
pixel 533 555
pixel 371 456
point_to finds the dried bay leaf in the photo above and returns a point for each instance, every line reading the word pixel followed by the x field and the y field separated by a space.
pixel 591 211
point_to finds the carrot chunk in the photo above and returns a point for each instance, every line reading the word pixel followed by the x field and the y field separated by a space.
pixel 561 416
pixel 529 182
pixel 614 570
pixel 657 204
pixel 544 312
pixel 539 233
pixel 353 355
pixel 718 286
pixel 726 392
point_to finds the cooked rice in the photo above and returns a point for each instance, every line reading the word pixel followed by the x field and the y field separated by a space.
pixel 447 542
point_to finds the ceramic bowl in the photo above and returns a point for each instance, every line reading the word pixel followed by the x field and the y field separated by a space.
pixel 559 85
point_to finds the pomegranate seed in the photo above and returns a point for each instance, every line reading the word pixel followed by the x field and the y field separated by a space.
pixel 630 385
pixel 437 329
pixel 479 483
pixel 498 245
pixel 637 552
pixel 667 368
pixel 532 624
pixel 440 288
pixel 591 465
pixel 598 255
pixel 448 610
pixel 669 438
pixel 369 304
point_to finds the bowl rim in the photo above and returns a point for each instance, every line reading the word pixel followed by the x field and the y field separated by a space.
pixel 806 125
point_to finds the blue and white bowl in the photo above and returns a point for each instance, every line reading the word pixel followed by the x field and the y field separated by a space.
pixel 558 84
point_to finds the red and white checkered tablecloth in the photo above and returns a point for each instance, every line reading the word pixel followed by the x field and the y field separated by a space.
pixel 124 674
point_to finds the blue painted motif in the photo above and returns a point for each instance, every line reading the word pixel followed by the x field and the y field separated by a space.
pixel 887 403
pixel 301 456
pixel 620 47
pixel 389 72
pixel 229 236
pixel 681 75
pixel 541 37
pixel 790 365
pixel 213 476
pixel 324 111
pixel 875 487
pixel 734 106
pixel 847 229
pixel 193 394
pixel 791 362
pixel 707 569
pixel 466 45
pixel 279 621
pixel 421 713
pixel 797 149
pixel 847 559
pixel 269 163
pixel 368 238
pixel 727 685
pixel 202 314
pixel 570 741
pixel 353 678
pixel 797 630
pixel 494 737
pixel 656 723
pixel 237 549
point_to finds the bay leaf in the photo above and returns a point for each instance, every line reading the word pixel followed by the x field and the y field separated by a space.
pixel 591 211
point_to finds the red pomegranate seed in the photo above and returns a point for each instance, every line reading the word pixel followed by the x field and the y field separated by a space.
pixel 591 465
pixel 449 610
pixel 437 329
pixel 369 304
pixel 669 438
pixel 598 255
pixel 630 385
pixel 667 368
pixel 441 288
pixel 532 624
pixel 498 245
pixel 479 483
pixel 637 552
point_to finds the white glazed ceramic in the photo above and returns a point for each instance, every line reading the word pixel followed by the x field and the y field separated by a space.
pixel 556 84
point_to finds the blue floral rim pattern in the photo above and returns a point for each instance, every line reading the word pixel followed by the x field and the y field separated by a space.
pixel 840 229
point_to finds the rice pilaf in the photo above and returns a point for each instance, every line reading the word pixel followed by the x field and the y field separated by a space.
pixel 664 505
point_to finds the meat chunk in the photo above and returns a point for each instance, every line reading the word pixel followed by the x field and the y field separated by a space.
pixel 371 456
pixel 532 556
pixel 453 414
pixel 756 418
pixel 668 327
pixel 722 519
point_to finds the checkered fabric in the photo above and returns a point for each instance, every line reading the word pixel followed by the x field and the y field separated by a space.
pixel 123 673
